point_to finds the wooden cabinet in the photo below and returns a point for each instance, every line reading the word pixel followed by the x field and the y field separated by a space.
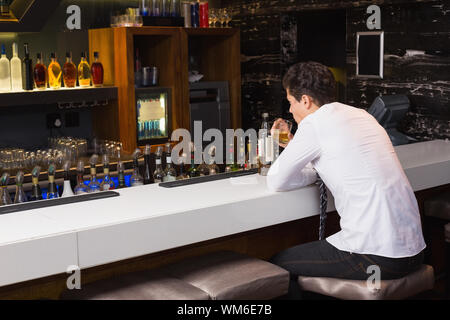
pixel 169 49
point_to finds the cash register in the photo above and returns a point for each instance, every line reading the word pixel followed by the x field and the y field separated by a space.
pixel 389 111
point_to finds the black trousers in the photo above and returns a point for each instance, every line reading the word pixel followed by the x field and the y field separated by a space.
pixel 321 259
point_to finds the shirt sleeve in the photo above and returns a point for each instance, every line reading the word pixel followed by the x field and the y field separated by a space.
pixel 292 169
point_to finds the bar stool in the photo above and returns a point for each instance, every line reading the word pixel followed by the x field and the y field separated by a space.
pixel 408 286
pixel 146 285
pixel 437 214
pixel 438 206
pixel 227 275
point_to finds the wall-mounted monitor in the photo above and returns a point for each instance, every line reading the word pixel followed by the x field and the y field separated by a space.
pixel 369 54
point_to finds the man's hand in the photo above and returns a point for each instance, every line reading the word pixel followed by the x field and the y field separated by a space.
pixel 281 125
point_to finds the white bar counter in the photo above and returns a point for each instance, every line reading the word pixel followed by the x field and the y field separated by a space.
pixel 148 219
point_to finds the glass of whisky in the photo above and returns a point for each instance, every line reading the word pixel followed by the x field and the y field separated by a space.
pixel 284 128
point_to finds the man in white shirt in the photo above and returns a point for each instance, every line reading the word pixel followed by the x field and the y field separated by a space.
pixel 380 221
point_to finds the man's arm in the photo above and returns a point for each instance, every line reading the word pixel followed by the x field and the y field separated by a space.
pixel 288 171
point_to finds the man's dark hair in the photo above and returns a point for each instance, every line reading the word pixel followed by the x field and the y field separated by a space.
pixel 313 79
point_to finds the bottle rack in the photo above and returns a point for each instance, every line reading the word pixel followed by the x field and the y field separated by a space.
pixel 63 97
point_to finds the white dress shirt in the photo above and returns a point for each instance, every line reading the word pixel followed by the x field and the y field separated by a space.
pixel 355 158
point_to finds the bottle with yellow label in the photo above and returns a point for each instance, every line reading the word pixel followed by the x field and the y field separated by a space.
pixel 84 72
pixel 54 73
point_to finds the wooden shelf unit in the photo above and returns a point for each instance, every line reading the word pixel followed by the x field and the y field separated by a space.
pixel 168 49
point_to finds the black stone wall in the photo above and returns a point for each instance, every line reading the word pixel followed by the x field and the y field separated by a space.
pixel 416 57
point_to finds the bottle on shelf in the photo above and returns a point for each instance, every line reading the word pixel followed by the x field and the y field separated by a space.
pixel 52 191
pixel 5 71
pixel 20 194
pixel 148 172
pixel 230 163
pixel 16 69
pixel 40 74
pixel 192 171
pixel 97 71
pixel 265 147
pixel 54 72
pixel 67 188
pixel 213 167
pixel 241 154
pixel 182 172
pixel 69 72
pixel 170 174
pixel 94 184
pixel 80 188
pixel 203 167
pixel 121 174
pixel 5 196
pixel 4 8
pixel 27 75
pixel 136 178
pixel 107 183
pixel 84 72
pixel 250 161
pixel 36 193
pixel 158 175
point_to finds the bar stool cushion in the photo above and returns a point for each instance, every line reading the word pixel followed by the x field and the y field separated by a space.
pixel 447 232
pixel 148 285
pixel 414 283
pixel 227 275
pixel 438 206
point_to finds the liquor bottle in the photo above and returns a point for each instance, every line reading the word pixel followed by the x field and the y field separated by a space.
pixel 80 188
pixel 182 172
pixel 148 172
pixel 5 197
pixel 69 72
pixel 241 154
pixel 4 8
pixel 54 72
pixel 170 174
pixel 250 161
pixel 40 74
pixel 84 72
pixel 97 71
pixel 266 156
pixel 52 191
pixel 192 171
pixel 264 149
pixel 94 184
pixel 213 167
pixel 136 178
pixel 20 194
pixel 27 76
pixel 36 193
pixel 158 175
pixel 121 173
pixel 67 188
pixel 230 164
pixel 107 183
pixel 16 69
pixel 5 71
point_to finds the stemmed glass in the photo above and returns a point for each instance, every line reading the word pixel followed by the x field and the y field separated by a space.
pixel 221 17
pixel 227 16
pixel 212 18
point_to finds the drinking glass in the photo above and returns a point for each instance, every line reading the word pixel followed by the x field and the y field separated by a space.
pixel 212 17
pixel 221 17
pixel 284 128
pixel 227 15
